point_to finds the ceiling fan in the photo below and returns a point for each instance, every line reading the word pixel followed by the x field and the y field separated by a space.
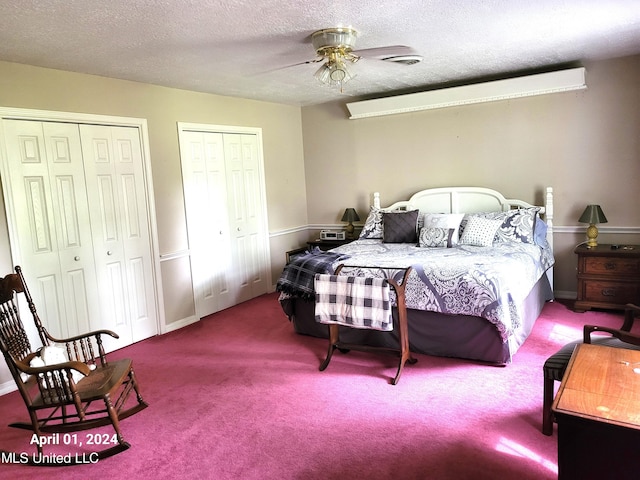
pixel 334 46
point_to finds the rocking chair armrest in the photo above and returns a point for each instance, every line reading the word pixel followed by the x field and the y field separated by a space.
pixel 83 368
pixel 84 335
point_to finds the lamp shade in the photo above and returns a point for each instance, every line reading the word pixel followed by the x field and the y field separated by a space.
pixel 593 215
pixel 350 215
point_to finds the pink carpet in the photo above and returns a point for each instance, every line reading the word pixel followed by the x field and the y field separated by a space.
pixel 239 396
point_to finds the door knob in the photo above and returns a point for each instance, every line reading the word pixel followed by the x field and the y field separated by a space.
pixel 76 258
pixel 108 252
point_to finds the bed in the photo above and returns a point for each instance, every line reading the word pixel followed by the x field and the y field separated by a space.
pixel 482 271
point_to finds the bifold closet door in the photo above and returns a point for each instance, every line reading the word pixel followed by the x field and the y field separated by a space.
pixel 222 191
pixel 205 191
pixel 120 229
pixel 245 215
pixel 50 219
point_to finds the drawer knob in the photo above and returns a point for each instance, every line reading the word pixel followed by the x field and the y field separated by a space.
pixel 608 292
pixel 610 266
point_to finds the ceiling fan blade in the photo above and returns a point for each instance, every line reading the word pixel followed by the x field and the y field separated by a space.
pixel 315 60
pixel 383 52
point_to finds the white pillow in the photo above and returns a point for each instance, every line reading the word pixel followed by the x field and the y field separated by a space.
pixel 54 355
pixel 480 231
pixel 444 220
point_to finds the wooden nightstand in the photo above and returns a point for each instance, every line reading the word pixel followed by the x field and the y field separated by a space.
pixel 325 245
pixel 607 277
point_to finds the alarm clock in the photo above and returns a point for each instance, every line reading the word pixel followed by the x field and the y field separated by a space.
pixel 331 235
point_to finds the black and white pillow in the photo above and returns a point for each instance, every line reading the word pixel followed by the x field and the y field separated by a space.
pixel 444 220
pixel 435 237
pixel 373 225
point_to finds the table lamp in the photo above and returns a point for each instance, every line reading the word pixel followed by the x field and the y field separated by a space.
pixel 350 215
pixel 592 215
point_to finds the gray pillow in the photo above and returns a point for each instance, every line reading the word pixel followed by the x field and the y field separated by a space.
pixel 435 237
pixel 400 227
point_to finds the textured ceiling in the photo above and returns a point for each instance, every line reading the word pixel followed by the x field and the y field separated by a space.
pixel 246 48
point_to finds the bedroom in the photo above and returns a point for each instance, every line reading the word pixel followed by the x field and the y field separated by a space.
pixel 584 144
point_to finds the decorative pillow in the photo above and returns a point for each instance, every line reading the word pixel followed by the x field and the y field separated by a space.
pixel 540 232
pixel 400 227
pixel 480 231
pixel 517 225
pixel 444 220
pixel 53 355
pixel 435 237
pixel 373 224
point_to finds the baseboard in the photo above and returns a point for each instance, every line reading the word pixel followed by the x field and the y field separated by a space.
pixel 180 323
pixel 565 295
pixel 8 387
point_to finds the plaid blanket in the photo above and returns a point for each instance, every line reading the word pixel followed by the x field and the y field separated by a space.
pixel 358 302
pixel 298 276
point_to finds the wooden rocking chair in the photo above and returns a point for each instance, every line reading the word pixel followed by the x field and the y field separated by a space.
pixel 56 402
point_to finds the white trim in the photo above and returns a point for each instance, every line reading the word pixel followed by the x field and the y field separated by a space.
pixel 289 231
pixel 526 86
pixel 556 229
pixel 565 295
pixel 201 127
pixel 8 387
pixel 173 255
pixel 177 325
pixel 601 229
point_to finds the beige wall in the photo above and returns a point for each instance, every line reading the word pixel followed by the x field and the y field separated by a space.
pixel 44 89
pixel 583 144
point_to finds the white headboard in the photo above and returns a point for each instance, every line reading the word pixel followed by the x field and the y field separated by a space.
pixel 471 200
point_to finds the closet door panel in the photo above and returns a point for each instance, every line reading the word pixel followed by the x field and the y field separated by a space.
pixel 75 246
pixel 248 164
pixel 53 244
pixel 135 226
pixel 205 190
pixel 113 167
pixel 236 201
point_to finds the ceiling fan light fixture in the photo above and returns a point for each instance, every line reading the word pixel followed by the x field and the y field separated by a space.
pixel 334 73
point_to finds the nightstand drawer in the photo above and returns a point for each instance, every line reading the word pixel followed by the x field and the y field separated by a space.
pixel 607 277
pixel 610 292
pixel 612 266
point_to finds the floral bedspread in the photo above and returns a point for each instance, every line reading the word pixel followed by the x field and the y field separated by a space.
pixel 489 282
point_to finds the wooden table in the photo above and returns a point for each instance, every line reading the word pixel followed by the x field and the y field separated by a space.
pixel 598 413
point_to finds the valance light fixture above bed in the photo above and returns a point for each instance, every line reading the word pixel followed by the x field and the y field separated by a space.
pixel 539 84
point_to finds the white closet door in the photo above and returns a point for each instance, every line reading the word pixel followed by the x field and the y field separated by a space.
pixel 120 226
pixel 205 190
pixel 223 192
pixel 245 219
pixel 50 215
